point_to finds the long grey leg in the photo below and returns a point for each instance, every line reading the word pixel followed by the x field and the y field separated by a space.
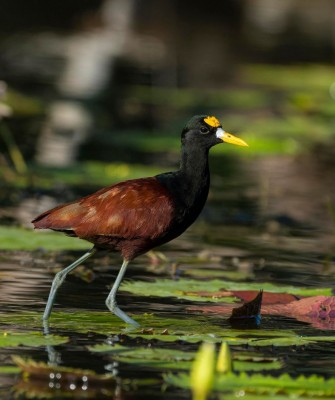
pixel 111 302
pixel 58 280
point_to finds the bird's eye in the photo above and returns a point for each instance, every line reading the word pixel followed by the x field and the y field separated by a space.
pixel 203 129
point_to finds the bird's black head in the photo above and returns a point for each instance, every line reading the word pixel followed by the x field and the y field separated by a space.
pixel 206 131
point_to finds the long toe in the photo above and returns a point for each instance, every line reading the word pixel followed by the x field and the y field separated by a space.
pixel 113 307
pixel 125 317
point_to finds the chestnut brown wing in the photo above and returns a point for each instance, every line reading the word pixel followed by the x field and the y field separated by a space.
pixel 139 208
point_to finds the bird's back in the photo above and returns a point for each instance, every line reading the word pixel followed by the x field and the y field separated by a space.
pixel 131 216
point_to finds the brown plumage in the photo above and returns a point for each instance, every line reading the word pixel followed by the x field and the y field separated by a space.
pixel 128 217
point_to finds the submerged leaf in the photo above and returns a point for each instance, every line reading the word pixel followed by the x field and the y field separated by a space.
pixel 47 381
pixel 44 371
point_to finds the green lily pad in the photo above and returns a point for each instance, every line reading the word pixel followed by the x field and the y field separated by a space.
pixel 216 273
pixel 9 369
pixel 148 357
pixel 14 238
pixel 163 358
pixel 31 339
pixel 256 383
pixel 81 321
pixel 193 330
pixel 290 341
pixel 181 288
pixel 255 363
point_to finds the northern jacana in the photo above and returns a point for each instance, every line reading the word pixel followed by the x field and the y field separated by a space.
pixel 134 216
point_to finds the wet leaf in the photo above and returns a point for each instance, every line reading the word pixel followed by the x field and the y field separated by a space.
pixel 31 339
pixel 147 356
pixel 172 288
pixel 167 358
pixel 312 386
pixel 249 364
pixel 42 380
pixel 14 238
pixel 9 369
pixel 268 297
pixel 192 330
pixel 42 370
pixel 216 273
pixel 290 341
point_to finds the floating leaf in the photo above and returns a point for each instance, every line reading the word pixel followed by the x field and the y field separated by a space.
pixel 167 358
pixel 316 310
pixel 249 364
pixel 291 341
pixel 32 339
pixel 236 383
pixel 267 298
pixel 46 380
pixel 45 371
pixel 14 238
pixel 191 330
pixel 102 322
pixel 9 369
pixel 148 356
pixel 215 273
pixel 180 288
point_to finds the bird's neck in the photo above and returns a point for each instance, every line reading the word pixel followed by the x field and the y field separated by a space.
pixel 194 163
pixel 194 175
pixel 190 184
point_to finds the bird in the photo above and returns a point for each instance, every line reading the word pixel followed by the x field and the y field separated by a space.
pixel 134 216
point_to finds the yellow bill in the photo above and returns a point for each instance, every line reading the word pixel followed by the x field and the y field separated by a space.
pixel 229 138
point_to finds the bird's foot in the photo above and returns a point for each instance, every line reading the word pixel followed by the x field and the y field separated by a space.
pixel 113 307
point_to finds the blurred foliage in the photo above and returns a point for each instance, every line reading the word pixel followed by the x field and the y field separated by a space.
pixel 23 105
pixel 13 238
pixel 82 174
pixel 184 287
pixel 276 109
pixel 314 386
pixel 34 339
pixel 286 77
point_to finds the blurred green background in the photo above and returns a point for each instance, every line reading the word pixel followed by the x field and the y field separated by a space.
pixel 93 92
